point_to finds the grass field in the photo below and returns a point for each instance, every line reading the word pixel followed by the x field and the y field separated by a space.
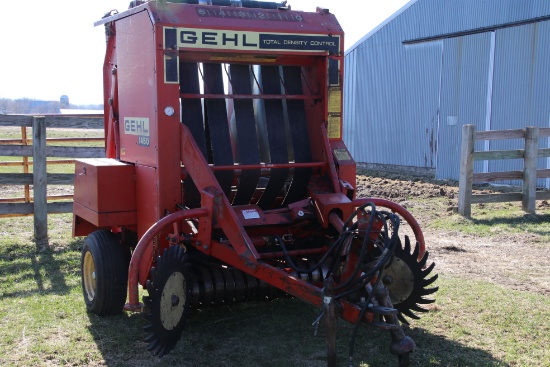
pixel 43 321
pixel 492 307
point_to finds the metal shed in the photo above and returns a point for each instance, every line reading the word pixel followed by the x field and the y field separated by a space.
pixel 436 65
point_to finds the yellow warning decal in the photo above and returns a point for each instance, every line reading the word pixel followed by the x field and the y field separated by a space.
pixel 335 100
pixel 334 127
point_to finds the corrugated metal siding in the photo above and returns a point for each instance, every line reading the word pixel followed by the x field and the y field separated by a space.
pixel 521 91
pixel 391 111
pixel 439 17
pixel 540 103
pixel 399 97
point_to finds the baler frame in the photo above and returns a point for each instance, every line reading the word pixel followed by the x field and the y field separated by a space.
pixel 181 188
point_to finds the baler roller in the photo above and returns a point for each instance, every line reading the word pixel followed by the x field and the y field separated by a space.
pixel 216 284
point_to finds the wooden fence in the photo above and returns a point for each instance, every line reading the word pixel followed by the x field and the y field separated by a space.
pixel 37 148
pixel 528 175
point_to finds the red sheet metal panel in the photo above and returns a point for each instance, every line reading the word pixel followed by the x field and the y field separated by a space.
pixel 148 117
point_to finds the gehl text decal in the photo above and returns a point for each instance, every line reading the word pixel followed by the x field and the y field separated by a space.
pixel 236 40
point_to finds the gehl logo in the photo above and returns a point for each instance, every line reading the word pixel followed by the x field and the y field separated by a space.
pixel 246 41
pixel 136 126
pixel 191 38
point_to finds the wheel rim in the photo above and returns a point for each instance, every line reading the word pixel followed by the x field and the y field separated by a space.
pixel 403 280
pixel 89 276
pixel 167 302
pixel 172 302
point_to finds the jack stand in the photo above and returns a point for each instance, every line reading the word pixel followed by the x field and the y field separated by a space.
pixel 330 321
pixel 401 345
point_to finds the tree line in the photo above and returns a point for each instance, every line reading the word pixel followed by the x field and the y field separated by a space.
pixel 33 106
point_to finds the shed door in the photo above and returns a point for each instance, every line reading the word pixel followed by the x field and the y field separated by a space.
pixel 465 97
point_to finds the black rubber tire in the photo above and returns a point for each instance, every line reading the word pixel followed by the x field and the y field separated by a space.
pixel 104 269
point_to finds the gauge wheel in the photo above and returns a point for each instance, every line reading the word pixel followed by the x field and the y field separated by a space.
pixel 168 300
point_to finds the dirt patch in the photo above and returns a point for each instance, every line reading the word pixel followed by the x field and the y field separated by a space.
pixel 517 261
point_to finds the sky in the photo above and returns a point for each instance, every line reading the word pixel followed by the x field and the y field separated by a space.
pixel 51 48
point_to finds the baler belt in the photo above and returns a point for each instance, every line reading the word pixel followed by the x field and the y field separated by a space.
pixel 247 139
pixel 216 117
pixel 192 107
pixel 192 117
pixel 274 117
pixel 298 133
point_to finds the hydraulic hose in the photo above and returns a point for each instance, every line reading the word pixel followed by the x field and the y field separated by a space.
pixel 353 283
pixel 389 246
pixel 295 267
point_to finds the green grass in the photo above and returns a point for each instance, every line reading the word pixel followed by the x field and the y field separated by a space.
pixel 491 219
pixel 43 321
pixel 511 326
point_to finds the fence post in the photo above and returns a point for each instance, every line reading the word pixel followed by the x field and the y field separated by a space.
pixel 40 182
pixel 25 141
pixel 466 171
pixel 530 169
